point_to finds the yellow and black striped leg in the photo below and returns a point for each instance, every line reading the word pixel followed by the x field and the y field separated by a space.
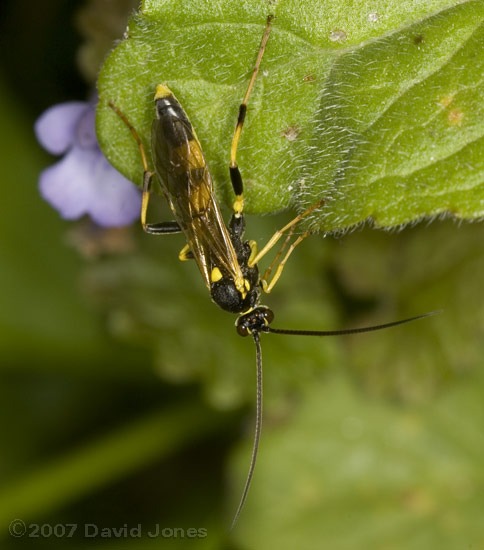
pixel 185 254
pixel 268 286
pixel 235 176
pixel 278 234
pixel 162 228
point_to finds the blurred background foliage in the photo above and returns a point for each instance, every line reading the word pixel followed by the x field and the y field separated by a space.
pixel 126 397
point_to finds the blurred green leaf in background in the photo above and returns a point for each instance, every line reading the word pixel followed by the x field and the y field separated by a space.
pixel 126 397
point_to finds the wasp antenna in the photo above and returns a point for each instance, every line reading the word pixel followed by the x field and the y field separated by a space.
pixel 348 330
pixel 258 425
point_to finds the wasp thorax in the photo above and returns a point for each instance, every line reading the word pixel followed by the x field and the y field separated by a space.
pixel 255 321
pixel 226 295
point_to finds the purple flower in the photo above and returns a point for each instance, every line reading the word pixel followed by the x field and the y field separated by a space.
pixel 83 182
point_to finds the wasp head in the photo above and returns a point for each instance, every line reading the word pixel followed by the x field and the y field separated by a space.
pixel 254 321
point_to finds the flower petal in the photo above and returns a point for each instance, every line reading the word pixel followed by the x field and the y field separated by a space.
pixel 67 185
pixel 118 200
pixel 86 129
pixel 55 129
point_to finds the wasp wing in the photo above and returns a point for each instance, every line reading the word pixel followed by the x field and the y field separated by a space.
pixel 188 187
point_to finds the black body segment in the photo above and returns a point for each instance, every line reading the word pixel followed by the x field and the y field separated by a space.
pixel 224 292
pixel 177 129
pixel 183 175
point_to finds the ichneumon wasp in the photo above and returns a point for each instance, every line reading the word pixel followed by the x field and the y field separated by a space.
pixel 227 262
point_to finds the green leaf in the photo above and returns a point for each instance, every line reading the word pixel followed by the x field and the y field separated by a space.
pixel 346 472
pixel 422 269
pixel 380 111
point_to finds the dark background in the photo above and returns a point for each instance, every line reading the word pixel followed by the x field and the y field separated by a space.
pixel 126 397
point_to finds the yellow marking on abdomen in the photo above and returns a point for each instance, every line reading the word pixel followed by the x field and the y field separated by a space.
pixel 216 275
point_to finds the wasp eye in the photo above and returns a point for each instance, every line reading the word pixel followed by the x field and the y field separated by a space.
pixel 242 328
pixel 269 316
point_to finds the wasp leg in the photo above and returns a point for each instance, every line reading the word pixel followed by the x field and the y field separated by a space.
pixel 278 234
pixel 268 271
pixel 162 228
pixel 235 176
pixel 268 286
pixel 134 133
pixel 253 250
pixel 185 254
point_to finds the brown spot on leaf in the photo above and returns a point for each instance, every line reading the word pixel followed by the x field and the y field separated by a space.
pixel 291 133
pixel 446 100
pixel 455 117
pixel 337 35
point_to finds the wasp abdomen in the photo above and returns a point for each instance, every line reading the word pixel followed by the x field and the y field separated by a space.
pixel 175 126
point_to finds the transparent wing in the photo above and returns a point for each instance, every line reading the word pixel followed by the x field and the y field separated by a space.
pixel 187 184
